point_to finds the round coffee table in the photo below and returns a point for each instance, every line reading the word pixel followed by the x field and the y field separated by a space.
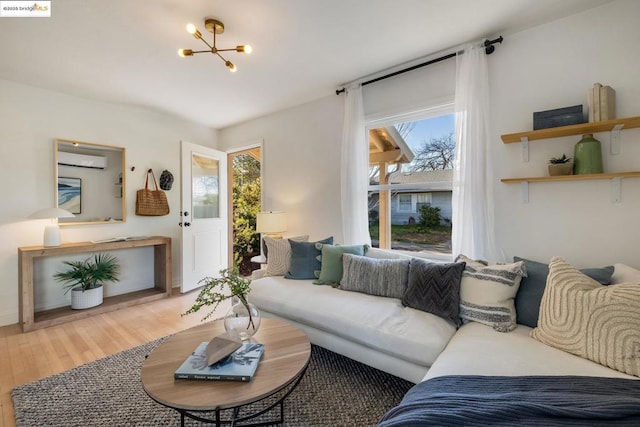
pixel 285 359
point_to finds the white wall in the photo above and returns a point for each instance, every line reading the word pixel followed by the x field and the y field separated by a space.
pixel 547 67
pixel 31 119
pixel 553 66
pixel 301 164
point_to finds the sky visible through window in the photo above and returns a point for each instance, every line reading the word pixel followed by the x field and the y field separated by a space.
pixel 427 129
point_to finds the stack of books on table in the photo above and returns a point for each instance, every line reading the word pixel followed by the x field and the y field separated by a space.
pixel 240 365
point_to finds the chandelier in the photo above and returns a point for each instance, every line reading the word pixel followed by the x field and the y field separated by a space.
pixel 216 27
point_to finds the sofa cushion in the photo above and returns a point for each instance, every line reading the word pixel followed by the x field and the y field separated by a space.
pixel 487 293
pixel 280 254
pixel 382 277
pixel 435 288
pixel 477 349
pixel 331 259
pixel 583 317
pixel 305 259
pixel 379 323
pixel 624 274
pixel 532 287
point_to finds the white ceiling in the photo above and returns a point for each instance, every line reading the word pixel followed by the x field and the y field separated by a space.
pixel 125 51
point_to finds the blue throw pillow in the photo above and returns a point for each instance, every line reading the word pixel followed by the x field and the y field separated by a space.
pixel 305 259
pixel 532 287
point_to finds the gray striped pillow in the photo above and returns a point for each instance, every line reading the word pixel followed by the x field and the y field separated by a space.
pixel 487 293
pixel 382 277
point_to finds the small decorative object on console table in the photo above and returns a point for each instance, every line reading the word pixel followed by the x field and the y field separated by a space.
pixel 243 317
pixel 560 166
pixel 85 279
pixel 587 156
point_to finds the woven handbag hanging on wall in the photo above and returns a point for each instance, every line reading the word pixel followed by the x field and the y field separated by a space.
pixel 151 202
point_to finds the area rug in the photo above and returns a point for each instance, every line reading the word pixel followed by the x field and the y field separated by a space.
pixel 335 391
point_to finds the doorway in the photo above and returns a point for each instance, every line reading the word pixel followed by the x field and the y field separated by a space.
pixel 245 197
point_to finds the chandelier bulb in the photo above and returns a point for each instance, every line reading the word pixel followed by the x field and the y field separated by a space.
pixel 231 66
pixel 244 49
pixel 185 52
pixel 191 29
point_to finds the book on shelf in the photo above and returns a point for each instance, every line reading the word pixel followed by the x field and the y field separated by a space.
pixel 596 102
pixel 120 239
pixel 240 365
pixel 607 103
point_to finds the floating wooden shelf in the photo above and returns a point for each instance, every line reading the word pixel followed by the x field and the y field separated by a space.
pixel 31 320
pixel 572 177
pixel 579 129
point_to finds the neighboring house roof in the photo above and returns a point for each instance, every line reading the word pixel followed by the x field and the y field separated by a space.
pixel 437 180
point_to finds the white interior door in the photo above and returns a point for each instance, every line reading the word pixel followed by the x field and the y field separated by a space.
pixel 203 217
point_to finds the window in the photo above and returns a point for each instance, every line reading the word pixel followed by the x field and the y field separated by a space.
pixel 410 177
pixel 405 203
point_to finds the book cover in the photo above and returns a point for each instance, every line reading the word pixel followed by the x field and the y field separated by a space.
pixel 607 103
pixel 596 102
pixel 241 365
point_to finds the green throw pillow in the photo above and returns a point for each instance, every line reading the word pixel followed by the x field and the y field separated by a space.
pixel 331 259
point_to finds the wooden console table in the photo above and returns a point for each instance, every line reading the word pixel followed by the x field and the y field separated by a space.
pixel 31 320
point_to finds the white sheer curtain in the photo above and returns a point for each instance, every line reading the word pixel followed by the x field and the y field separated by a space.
pixel 354 170
pixel 472 203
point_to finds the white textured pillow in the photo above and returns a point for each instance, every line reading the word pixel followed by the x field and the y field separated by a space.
pixel 624 274
pixel 600 323
pixel 487 293
pixel 279 254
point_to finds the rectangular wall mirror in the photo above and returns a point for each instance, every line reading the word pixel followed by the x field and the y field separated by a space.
pixel 90 182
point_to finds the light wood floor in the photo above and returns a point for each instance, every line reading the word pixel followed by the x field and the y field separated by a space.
pixel 26 357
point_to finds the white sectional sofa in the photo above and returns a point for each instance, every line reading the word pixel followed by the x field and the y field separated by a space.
pixel 474 374
pixel 374 330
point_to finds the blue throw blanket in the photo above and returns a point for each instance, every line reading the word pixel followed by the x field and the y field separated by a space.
pixel 518 401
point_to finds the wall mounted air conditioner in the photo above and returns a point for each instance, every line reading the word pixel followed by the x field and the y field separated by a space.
pixel 81 160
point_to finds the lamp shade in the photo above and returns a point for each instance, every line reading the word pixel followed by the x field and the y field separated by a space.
pixel 271 222
pixel 51 231
pixel 48 213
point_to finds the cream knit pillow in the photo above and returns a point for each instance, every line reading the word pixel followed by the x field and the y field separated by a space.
pixel 279 254
pixel 600 323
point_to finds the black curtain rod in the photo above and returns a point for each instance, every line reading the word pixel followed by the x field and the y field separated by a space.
pixel 489 48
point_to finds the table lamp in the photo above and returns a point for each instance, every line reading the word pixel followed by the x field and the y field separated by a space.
pixel 51 231
pixel 271 223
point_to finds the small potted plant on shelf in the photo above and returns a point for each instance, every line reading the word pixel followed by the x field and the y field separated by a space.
pixel 560 166
pixel 85 279
pixel 243 317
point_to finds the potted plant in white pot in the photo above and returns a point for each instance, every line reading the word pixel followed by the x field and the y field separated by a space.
pixel 85 279
pixel 560 166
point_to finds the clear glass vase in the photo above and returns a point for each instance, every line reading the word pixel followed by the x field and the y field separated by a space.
pixel 242 318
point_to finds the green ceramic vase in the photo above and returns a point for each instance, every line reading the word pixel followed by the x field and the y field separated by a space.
pixel 587 156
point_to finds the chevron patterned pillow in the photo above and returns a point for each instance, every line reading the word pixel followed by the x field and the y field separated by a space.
pixel 582 317
pixel 435 288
